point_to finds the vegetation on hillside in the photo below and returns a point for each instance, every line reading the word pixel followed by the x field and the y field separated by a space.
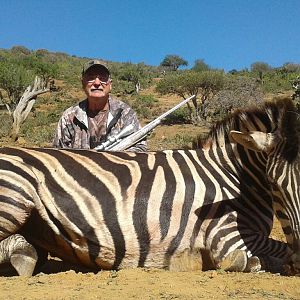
pixel 217 92
pixel 204 85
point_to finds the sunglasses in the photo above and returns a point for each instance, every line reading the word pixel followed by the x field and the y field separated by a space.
pixel 92 77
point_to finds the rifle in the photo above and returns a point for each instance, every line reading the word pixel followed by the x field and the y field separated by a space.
pixel 126 137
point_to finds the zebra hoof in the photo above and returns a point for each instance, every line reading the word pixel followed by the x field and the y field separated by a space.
pixel 24 265
pixel 236 261
pixel 253 265
pixel 24 261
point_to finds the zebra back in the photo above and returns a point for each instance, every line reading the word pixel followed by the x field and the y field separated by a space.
pixel 118 209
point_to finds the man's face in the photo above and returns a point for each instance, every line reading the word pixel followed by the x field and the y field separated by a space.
pixel 96 83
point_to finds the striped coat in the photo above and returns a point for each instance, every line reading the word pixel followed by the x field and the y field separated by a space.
pixel 211 207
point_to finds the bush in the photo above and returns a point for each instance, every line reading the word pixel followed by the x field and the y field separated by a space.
pixel 143 105
pixel 41 136
pixel 239 92
pixel 40 129
pixel 275 82
pixel 179 116
pixel 5 124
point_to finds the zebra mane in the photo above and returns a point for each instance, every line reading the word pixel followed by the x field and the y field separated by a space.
pixel 272 115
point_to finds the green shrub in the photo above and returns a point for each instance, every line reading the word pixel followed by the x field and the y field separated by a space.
pixel 40 136
pixel 239 91
pixel 179 116
pixel 40 127
pixel 5 124
pixel 143 104
pixel 275 83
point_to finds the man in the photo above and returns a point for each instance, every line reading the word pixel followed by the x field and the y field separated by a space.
pixel 89 123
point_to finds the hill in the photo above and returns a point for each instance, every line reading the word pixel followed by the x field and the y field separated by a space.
pixel 177 132
pixel 59 280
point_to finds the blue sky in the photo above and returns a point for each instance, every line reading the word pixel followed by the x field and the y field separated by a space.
pixel 226 34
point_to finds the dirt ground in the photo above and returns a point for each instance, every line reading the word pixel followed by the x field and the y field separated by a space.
pixel 150 284
pixel 57 281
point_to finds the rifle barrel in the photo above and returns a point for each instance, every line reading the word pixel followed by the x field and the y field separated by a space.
pixel 140 134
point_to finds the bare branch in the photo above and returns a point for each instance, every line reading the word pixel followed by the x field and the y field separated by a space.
pixel 26 103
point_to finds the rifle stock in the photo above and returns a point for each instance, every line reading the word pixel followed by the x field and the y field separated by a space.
pixel 124 140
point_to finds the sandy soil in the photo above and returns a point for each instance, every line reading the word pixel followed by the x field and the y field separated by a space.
pixel 150 284
pixel 61 281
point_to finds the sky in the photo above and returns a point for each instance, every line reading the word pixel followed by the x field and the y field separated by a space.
pixel 226 34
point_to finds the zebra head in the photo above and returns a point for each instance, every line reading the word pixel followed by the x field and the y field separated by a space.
pixel 281 147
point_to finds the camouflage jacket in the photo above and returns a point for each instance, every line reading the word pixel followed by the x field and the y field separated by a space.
pixel 73 132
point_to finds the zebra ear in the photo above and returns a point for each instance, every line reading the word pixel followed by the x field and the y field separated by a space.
pixel 254 140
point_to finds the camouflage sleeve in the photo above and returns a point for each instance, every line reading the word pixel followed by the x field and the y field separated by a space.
pixel 63 135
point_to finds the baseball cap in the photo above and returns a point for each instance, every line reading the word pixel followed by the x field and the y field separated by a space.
pixel 93 63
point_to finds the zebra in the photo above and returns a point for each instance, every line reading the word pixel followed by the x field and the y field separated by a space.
pixel 210 207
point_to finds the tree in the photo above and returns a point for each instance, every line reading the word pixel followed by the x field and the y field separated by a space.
pixel 290 68
pixel 20 89
pixel 200 66
pixel 261 68
pixel 132 73
pixel 173 62
pixel 130 78
pixel 14 78
pixel 204 85
pixel 20 50
pixel 233 72
pixel 39 67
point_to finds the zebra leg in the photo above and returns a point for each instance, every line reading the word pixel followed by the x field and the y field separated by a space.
pixel 16 250
pixel 235 261
pixel 270 257
pixel 273 264
pixel 264 263
pixel 295 258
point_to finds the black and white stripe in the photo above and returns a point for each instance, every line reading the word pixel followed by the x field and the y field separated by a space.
pixel 115 210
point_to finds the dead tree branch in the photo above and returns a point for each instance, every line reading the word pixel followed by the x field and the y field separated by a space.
pixel 26 103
